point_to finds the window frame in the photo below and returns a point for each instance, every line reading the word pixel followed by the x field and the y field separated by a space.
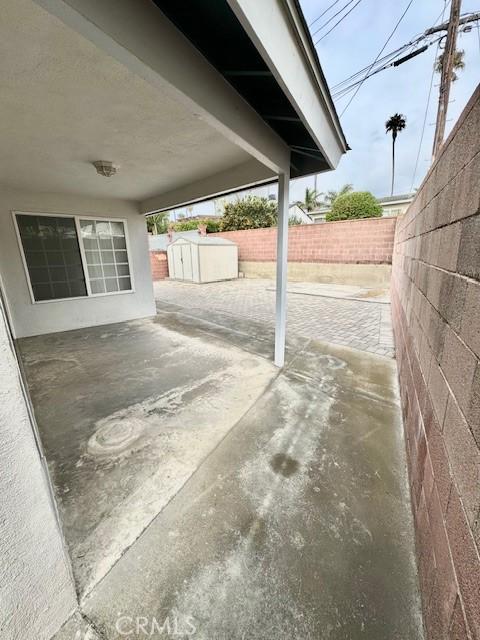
pixel 76 218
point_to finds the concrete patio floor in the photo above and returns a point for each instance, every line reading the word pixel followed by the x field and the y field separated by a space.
pixel 285 510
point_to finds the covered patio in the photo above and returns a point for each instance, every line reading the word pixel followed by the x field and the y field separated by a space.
pixel 204 489
pixel 159 464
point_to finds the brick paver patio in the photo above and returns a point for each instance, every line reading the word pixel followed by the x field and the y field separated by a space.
pixel 354 323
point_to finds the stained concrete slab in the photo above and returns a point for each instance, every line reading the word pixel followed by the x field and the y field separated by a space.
pixel 126 414
pixel 297 525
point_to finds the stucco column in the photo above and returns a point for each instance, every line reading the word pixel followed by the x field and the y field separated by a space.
pixel 281 276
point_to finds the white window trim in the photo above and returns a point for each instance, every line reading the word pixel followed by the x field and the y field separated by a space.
pixel 76 219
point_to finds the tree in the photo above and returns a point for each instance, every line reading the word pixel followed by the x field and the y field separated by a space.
pixel 395 124
pixel 158 223
pixel 458 63
pixel 190 225
pixel 251 212
pixel 331 196
pixel 311 201
pixel 358 204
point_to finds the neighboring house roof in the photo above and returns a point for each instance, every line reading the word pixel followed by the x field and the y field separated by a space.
pixel 404 197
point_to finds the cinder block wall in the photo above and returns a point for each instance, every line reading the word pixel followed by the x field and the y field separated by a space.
pixel 348 242
pixel 436 316
pixel 159 265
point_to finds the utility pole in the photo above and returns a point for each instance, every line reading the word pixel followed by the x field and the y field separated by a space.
pixel 446 78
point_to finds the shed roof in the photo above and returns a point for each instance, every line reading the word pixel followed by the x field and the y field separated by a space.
pixel 204 240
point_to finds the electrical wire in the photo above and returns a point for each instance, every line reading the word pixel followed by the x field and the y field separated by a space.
pixel 322 14
pixel 379 54
pixel 413 42
pixel 332 17
pixel 346 90
pixel 339 21
pixel 425 116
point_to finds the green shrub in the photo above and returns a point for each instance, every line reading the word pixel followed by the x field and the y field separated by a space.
pixel 251 212
pixel 358 204
pixel 212 225
pixel 191 225
pixel 186 225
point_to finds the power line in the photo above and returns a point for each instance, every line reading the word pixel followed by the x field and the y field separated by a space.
pixel 322 14
pixel 332 17
pixel 393 63
pixel 413 42
pixel 440 17
pixel 339 21
pixel 379 54
pixel 424 122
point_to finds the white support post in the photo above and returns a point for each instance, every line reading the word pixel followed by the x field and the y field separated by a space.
pixel 282 251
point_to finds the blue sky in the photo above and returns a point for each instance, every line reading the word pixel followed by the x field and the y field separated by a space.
pixel 354 44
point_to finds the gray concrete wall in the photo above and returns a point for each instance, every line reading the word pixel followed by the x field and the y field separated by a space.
pixel 33 319
pixel 36 588
pixel 362 275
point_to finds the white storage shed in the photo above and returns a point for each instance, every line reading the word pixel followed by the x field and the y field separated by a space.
pixel 202 259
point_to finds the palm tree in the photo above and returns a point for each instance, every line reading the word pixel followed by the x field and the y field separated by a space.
pixel 395 124
pixel 332 195
pixel 311 200
pixel 458 63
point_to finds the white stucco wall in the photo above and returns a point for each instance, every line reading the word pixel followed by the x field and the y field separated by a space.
pixel 36 589
pixel 34 319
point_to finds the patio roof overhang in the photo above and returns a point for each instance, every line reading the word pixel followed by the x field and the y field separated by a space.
pixel 251 80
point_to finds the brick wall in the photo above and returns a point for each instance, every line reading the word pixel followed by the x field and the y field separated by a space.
pixel 436 315
pixel 353 241
pixel 159 265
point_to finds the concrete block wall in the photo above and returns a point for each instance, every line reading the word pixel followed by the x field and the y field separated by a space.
pixel 159 265
pixel 436 317
pixel 348 242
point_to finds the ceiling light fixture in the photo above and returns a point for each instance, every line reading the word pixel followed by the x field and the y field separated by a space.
pixel 105 168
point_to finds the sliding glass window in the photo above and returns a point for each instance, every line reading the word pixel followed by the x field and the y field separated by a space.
pixel 106 255
pixel 52 256
pixel 59 268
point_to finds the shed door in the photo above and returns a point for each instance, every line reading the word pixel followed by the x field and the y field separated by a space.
pixel 177 262
pixel 187 261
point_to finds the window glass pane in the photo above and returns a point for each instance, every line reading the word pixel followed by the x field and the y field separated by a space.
pixel 95 271
pixel 87 227
pixel 35 258
pixel 109 270
pixel 111 284
pixel 119 243
pixel 97 286
pixel 125 284
pixel 39 274
pixel 123 270
pixel 106 255
pixel 117 228
pixel 121 256
pixel 105 243
pixel 75 273
pixel 61 290
pixel 50 243
pixel 55 258
pixel 42 292
pixel 58 274
pixel 90 243
pixel 103 228
pixel 93 257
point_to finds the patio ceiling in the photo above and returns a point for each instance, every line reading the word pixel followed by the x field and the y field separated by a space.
pixel 65 103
